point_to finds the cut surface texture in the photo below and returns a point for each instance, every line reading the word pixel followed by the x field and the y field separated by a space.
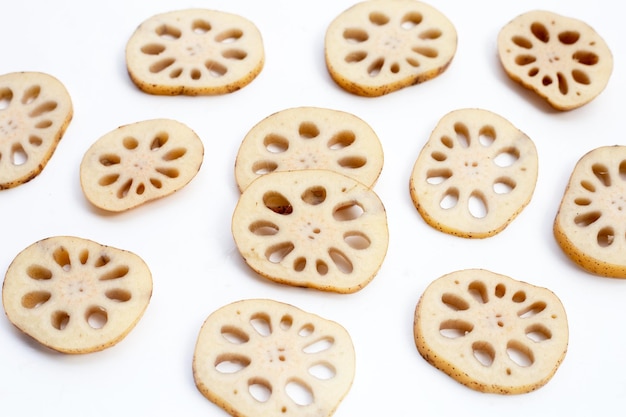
pixel 35 110
pixel 311 228
pixel 74 295
pixel 379 46
pixel 590 225
pixel 140 162
pixel 490 332
pixel 265 358
pixel 474 175
pixel 561 59
pixel 194 52
pixel 308 138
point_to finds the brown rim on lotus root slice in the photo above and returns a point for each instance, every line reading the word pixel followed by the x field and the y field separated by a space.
pixel 262 357
pixel 491 332
pixel 307 138
pixel 140 162
pixel 378 46
pixel 562 59
pixel 194 52
pixel 311 228
pixel 35 111
pixel 589 225
pixel 74 295
pixel 474 175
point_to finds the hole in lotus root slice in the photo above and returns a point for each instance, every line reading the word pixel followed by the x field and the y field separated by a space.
pixel 209 52
pixel 311 228
pixel 310 138
pixel 375 48
pixel 140 162
pixel 474 175
pixel 562 59
pixel 74 295
pixel 490 332
pixel 35 110
pixel 299 364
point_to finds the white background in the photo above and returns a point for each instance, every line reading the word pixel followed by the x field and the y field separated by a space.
pixel 186 238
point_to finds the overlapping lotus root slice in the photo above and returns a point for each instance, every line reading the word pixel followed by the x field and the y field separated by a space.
pixel 475 174
pixel 35 110
pixel 74 295
pixel 265 358
pixel 590 225
pixel 379 46
pixel 310 137
pixel 490 332
pixel 140 162
pixel 194 52
pixel 561 59
pixel 311 228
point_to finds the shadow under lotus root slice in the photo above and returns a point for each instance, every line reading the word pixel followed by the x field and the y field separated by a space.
pixel 590 223
pixel 378 46
pixel 563 60
pixel 265 358
pixel 310 138
pixel 194 52
pixel 140 162
pixel 474 175
pixel 311 228
pixel 74 295
pixel 35 111
pixel 490 332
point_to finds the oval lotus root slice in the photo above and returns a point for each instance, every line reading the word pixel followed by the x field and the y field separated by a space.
pixel 74 295
pixel 561 59
pixel 140 162
pixel 310 137
pixel 378 46
pixel 194 52
pixel 311 228
pixel 474 175
pixel 262 357
pixel 35 110
pixel 490 332
pixel 590 223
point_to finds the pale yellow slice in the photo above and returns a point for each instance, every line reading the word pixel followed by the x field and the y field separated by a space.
pixel 74 295
pixel 265 358
pixel 490 332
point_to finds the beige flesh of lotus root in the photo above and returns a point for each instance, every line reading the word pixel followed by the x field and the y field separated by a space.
pixel 311 228
pixel 490 332
pixel 475 174
pixel 379 46
pixel 35 110
pixel 265 358
pixel 74 295
pixel 194 52
pixel 140 162
pixel 310 137
pixel 561 59
pixel 590 223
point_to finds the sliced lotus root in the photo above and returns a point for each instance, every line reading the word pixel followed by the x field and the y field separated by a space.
pixel 561 59
pixel 490 332
pixel 74 295
pixel 35 110
pixel 475 174
pixel 265 358
pixel 140 162
pixel 379 46
pixel 194 52
pixel 590 225
pixel 311 228
pixel 310 137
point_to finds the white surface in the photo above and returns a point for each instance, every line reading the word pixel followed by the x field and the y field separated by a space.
pixel 186 240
